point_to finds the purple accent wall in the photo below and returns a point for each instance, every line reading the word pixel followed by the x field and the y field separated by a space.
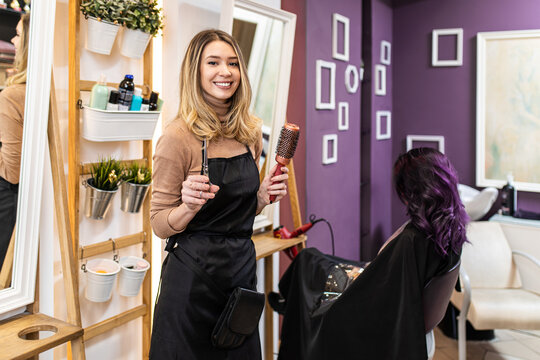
pixel 442 101
pixel 377 176
pixel 333 190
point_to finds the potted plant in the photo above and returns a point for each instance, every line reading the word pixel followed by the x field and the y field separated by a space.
pixel 143 20
pixel 136 179
pixel 104 19
pixel 101 187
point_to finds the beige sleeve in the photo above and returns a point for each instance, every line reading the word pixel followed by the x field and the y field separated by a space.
pixel 11 132
pixel 172 160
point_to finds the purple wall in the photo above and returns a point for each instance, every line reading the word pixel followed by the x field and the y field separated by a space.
pixel 333 190
pixel 442 101
pixel 376 154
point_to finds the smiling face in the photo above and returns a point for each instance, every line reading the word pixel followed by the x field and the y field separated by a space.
pixel 219 71
pixel 16 40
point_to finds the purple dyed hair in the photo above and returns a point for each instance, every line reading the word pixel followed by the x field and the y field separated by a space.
pixel 426 183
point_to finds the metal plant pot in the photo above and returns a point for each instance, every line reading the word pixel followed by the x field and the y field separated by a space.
pixel 133 196
pixel 97 202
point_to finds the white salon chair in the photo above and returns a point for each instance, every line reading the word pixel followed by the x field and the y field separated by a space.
pixel 500 288
pixel 477 203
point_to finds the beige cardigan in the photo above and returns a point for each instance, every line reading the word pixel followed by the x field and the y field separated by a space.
pixel 11 131
pixel 177 155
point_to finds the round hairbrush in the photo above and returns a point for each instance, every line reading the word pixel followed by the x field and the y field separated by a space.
pixel 286 146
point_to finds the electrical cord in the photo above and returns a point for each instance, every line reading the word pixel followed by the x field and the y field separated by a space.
pixel 313 219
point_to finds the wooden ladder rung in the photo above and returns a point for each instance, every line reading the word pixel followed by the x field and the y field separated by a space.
pixel 113 322
pixel 111 245
pixel 86 168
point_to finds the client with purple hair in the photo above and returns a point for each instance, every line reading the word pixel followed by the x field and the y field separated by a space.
pixel 380 314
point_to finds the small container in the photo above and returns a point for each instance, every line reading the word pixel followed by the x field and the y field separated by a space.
pixel 509 197
pixel 145 105
pixel 136 101
pixel 153 102
pixel 112 105
pixel 99 94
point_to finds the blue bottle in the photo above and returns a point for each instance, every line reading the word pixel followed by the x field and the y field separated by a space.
pixel 136 101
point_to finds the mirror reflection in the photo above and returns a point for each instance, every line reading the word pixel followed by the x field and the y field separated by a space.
pixel 261 41
pixel 12 100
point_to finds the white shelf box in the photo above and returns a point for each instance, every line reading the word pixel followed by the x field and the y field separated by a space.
pixel 103 125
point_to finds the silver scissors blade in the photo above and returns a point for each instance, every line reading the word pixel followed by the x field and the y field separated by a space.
pixel 204 169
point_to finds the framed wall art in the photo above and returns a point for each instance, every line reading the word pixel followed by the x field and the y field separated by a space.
pixel 508 109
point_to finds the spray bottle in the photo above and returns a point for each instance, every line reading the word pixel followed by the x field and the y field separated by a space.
pixel 509 197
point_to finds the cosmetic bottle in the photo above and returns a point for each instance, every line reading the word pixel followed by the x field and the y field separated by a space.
pixel 136 101
pixel 153 102
pixel 99 94
pixel 125 89
pixel 509 197
pixel 144 105
pixel 112 105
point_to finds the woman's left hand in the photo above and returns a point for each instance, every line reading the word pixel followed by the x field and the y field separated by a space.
pixel 272 185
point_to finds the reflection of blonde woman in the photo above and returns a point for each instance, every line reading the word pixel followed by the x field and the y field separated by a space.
pixel 11 130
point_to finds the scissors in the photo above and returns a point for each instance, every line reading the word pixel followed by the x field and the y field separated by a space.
pixel 204 167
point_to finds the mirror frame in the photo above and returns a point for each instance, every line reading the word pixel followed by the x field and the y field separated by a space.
pixel 265 219
pixel 36 110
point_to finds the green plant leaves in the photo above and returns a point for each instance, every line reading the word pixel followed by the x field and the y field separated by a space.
pixel 141 15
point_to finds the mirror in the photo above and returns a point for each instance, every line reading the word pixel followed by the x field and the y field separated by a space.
pixel 40 49
pixel 266 37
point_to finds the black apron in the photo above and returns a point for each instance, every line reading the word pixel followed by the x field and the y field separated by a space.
pixel 8 214
pixel 218 238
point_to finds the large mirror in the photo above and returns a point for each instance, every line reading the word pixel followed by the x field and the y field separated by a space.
pixel 266 37
pixel 20 290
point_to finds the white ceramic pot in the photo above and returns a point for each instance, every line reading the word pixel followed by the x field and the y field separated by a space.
pixel 100 36
pixel 134 43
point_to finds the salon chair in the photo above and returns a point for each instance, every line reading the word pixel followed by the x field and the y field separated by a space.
pixel 435 298
pixel 477 203
pixel 500 287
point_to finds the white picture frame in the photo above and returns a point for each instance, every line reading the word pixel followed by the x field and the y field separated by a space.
pixel 327 141
pixel 380 80
pixel 343 116
pixel 351 71
pixel 458 33
pixel 379 117
pixel 336 20
pixel 386 52
pixel 319 103
pixel 507 129
pixel 439 139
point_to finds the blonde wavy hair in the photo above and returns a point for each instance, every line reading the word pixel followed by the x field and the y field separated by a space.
pixel 21 56
pixel 199 116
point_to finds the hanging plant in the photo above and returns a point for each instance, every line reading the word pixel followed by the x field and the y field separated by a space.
pixel 112 11
pixel 144 15
pixel 106 174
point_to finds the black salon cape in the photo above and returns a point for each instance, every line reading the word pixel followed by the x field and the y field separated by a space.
pixel 378 317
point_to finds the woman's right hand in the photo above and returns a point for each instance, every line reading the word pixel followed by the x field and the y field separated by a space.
pixel 196 191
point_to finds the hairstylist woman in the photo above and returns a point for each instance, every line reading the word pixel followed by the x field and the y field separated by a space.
pixel 210 218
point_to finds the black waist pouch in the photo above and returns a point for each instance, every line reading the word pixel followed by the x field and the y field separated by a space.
pixel 239 319
pixel 241 315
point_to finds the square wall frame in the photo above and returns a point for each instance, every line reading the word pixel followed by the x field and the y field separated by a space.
pixel 330 139
pixel 319 103
pixel 426 138
pixel 458 33
pixel 336 19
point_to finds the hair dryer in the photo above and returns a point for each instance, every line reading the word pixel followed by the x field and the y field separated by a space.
pixel 286 146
